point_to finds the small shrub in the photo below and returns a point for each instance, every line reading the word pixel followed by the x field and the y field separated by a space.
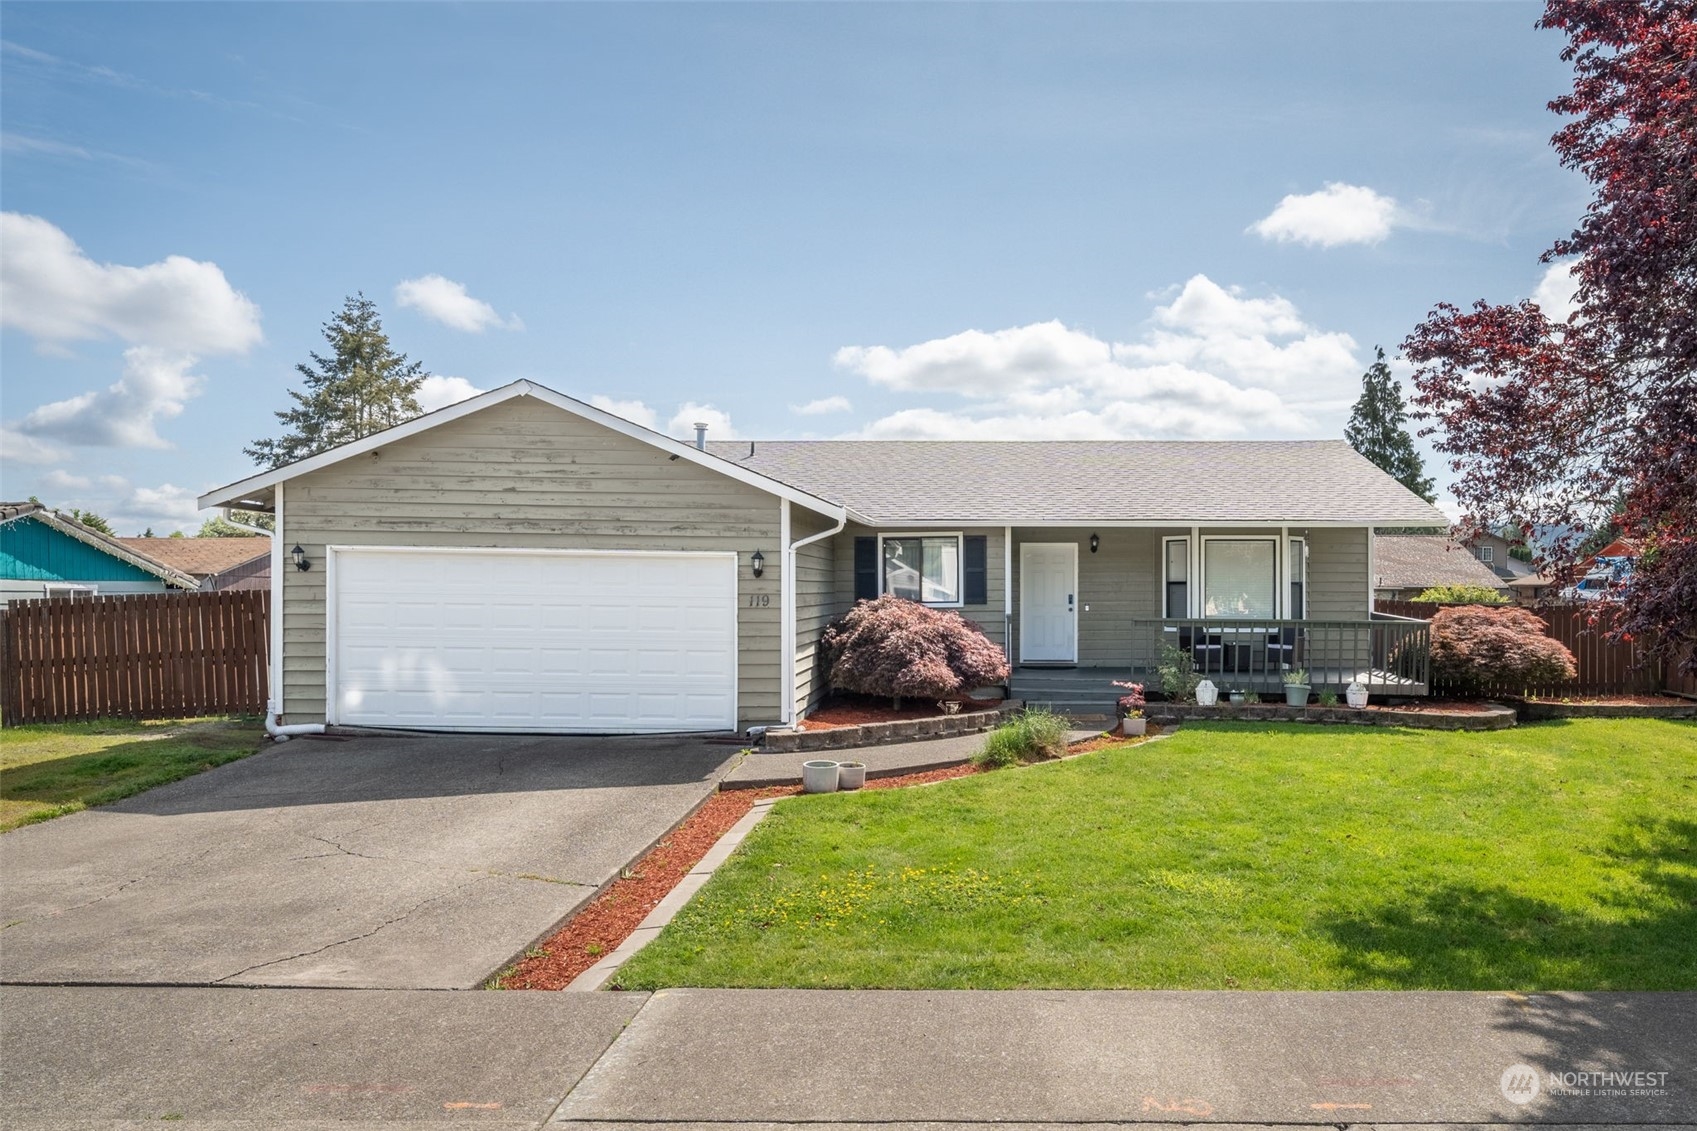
pixel 903 649
pixel 1252 697
pixel 1475 647
pixel 1177 672
pixel 1328 698
pixel 1462 595
pixel 1031 735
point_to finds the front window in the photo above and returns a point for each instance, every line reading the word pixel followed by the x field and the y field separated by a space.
pixel 1178 578
pixel 1487 554
pixel 924 568
pixel 1239 577
pixel 1298 577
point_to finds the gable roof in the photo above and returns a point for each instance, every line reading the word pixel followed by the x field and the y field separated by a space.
pixel 1067 483
pixel 201 557
pixel 71 528
pixel 254 492
pixel 1420 561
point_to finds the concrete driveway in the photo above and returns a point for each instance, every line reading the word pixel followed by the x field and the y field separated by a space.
pixel 393 862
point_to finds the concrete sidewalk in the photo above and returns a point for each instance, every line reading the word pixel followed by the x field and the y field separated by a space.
pixel 761 769
pixel 293 1060
pixel 789 1056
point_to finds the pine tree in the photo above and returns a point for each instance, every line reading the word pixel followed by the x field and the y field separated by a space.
pixel 1376 430
pixel 93 522
pixel 364 386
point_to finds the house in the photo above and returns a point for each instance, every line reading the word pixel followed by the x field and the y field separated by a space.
pixel 1406 565
pixel 1497 553
pixel 524 561
pixel 44 553
pixel 214 563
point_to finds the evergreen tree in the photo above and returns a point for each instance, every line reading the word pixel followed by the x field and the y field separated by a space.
pixel 1376 430
pixel 93 522
pixel 364 386
pixel 218 527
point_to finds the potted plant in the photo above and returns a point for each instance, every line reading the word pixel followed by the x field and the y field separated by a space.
pixel 1297 688
pixel 1132 722
pixel 851 775
pixel 1238 699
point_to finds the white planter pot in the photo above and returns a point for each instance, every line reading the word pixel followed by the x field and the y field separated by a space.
pixel 1207 694
pixel 851 775
pixel 819 777
pixel 1356 696
pixel 1238 698
pixel 1134 728
pixel 1296 694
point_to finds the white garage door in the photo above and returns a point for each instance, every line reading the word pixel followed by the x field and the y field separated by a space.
pixel 534 641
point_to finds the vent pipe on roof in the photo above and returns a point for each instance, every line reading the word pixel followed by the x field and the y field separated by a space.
pixel 701 435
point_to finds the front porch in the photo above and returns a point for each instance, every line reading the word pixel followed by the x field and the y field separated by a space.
pixel 1389 656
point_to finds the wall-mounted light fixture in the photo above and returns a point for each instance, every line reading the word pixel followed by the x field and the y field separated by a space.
pixel 758 563
pixel 1095 542
pixel 300 558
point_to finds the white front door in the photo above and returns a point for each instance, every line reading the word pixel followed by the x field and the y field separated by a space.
pixel 1048 600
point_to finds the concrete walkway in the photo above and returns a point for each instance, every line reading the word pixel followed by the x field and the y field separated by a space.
pixel 760 769
pixel 85 1057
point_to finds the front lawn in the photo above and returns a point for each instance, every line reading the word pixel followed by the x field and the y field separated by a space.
pixel 52 769
pixel 1558 855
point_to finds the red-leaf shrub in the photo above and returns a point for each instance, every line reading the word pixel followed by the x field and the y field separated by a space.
pixel 900 648
pixel 1474 647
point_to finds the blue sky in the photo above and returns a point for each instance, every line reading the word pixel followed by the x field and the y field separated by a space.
pixel 994 221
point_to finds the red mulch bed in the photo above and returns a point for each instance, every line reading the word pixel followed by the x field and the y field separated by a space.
pixel 858 710
pixel 608 919
pixel 1437 707
pixel 1107 741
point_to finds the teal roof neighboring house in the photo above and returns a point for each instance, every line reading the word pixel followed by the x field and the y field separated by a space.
pixel 40 544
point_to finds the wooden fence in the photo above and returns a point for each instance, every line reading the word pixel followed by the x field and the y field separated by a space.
pixel 1605 667
pixel 145 656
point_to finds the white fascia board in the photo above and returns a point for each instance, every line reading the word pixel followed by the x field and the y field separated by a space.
pixel 1124 524
pixel 231 494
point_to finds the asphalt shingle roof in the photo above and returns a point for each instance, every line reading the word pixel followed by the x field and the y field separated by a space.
pixel 1420 561
pixel 201 557
pixel 1010 482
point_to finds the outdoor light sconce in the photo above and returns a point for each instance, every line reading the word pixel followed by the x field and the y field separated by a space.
pixel 758 563
pixel 300 558
pixel 1095 542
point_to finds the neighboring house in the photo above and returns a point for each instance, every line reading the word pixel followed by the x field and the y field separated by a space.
pixel 47 554
pixel 524 561
pixel 214 563
pixel 1497 553
pixel 1406 565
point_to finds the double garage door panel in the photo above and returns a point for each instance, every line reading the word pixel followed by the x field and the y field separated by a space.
pixel 543 641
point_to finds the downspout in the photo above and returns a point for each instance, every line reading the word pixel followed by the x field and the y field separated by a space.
pixel 274 705
pixel 789 629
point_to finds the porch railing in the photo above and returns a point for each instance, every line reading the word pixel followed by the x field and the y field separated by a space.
pixel 1389 655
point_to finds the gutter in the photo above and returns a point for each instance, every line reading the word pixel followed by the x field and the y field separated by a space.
pixel 789 626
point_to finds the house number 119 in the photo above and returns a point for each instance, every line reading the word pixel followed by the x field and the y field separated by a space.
pixel 759 600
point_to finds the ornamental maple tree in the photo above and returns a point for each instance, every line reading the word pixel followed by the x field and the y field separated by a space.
pixel 903 649
pixel 1549 424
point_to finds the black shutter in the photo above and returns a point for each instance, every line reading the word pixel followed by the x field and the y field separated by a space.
pixel 976 574
pixel 866 569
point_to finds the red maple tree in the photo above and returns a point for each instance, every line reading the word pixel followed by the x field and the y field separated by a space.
pixel 1554 426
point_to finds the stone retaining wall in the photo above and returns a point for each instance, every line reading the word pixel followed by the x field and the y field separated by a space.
pixel 1497 717
pixel 877 734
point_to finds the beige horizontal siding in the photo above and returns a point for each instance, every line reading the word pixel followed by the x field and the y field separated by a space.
pixel 526 475
pixel 1337 574
pixel 815 605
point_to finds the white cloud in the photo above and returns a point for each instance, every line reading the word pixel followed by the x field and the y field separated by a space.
pixel 822 406
pixel 50 290
pixel 634 411
pixel 440 392
pixel 128 507
pixel 155 386
pixel 1212 364
pixel 16 447
pixel 1337 214
pixel 449 303
pixel 689 414
pixel 1557 293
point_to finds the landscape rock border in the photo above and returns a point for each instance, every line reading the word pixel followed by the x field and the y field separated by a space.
pixel 1494 717
pixel 787 740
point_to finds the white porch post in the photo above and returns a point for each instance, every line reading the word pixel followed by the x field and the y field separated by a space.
pixel 1281 575
pixel 1007 592
pixel 786 614
pixel 1193 591
pixel 274 693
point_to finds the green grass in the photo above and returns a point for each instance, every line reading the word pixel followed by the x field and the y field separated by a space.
pixel 1552 856
pixel 52 769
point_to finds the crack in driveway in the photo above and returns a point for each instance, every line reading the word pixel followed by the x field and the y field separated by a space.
pixel 352 938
